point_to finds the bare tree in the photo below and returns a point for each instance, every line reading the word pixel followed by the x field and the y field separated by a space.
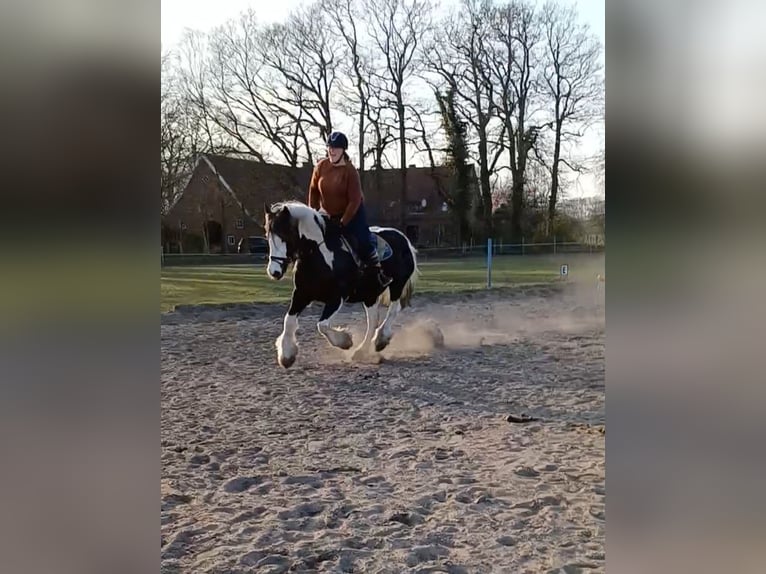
pixel 460 56
pixel 253 106
pixel 345 16
pixel 516 31
pixel 397 29
pixel 305 51
pixel 182 138
pixel 571 80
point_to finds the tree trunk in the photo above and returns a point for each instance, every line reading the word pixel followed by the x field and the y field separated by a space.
pixel 486 192
pixel 362 112
pixel 554 179
pixel 403 163
pixel 224 238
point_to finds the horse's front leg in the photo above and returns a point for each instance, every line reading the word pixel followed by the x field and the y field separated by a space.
pixel 372 322
pixel 287 343
pixel 336 338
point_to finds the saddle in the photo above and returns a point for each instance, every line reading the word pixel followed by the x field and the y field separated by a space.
pixel 383 248
pixel 351 246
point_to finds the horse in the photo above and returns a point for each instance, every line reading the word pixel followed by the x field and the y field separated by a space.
pixel 327 270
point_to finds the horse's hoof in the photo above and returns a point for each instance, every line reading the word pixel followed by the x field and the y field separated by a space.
pixel 286 362
pixel 346 341
pixel 381 344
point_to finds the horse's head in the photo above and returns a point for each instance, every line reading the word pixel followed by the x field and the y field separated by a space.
pixel 282 235
pixel 293 230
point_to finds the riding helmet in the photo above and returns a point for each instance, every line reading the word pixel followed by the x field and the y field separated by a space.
pixel 337 139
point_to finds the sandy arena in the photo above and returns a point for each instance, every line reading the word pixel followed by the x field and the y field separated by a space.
pixel 410 465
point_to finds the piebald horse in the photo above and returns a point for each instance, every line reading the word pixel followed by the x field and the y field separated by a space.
pixel 326 270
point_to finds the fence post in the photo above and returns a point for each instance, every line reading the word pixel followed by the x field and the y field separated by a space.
pixel 522 245
pixel 489 263
pixel 554 245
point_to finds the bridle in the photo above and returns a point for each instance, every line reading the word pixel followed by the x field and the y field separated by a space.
pixel 283 261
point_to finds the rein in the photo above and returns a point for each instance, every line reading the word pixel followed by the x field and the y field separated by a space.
pixel 291 258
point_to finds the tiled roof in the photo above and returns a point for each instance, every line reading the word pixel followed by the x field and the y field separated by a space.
pixel 255 183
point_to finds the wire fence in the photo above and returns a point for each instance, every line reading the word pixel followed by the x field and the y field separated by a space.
pixel 489 250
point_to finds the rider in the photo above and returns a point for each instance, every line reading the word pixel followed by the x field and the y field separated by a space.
pixel 335 187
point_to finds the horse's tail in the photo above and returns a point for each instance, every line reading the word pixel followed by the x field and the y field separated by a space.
pixel 409 287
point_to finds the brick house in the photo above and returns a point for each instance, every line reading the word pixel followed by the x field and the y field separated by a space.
pixel 222 203
pixel 428 221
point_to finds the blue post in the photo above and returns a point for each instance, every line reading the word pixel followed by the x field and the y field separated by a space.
pixel 489 263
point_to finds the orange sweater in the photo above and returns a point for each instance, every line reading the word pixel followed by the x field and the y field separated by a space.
pixel 336 189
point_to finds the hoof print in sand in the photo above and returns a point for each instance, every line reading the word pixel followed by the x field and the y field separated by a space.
pixel 305 510
pixel 422 554
pixel 172 500
pixel 312 481
pixel 199 459
pixel 277 563
pixel 248 515
pixel 527 472
pixel 241 484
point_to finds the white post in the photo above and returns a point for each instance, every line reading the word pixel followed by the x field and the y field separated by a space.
pixel 489 263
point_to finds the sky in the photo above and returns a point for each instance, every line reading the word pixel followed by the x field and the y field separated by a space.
pixel 178 15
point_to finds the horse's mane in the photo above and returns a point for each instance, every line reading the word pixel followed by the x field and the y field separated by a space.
pixel 311 224
pixel 298 210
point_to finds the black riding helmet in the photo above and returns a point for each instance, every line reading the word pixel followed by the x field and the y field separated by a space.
pixel 337 139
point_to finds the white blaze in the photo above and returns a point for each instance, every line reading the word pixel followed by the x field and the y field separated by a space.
pixel 277 248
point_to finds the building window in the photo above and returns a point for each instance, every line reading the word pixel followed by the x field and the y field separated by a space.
pixel 230 239
pixel 239 224
pixel 417 206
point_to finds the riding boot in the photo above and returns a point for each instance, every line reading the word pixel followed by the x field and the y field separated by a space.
pixel 372 264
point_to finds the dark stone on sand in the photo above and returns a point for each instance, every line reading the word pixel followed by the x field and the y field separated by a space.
pixel 241 484
pixel 522 418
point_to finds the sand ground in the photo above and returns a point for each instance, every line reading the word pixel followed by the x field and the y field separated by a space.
pixel 409 465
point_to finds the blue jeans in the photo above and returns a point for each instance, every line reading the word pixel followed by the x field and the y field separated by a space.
pixel 359 229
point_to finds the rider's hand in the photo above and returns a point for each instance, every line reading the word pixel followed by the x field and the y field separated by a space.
pixel 336 221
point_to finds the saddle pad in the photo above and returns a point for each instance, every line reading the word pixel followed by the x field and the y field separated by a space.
pixel 384 249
